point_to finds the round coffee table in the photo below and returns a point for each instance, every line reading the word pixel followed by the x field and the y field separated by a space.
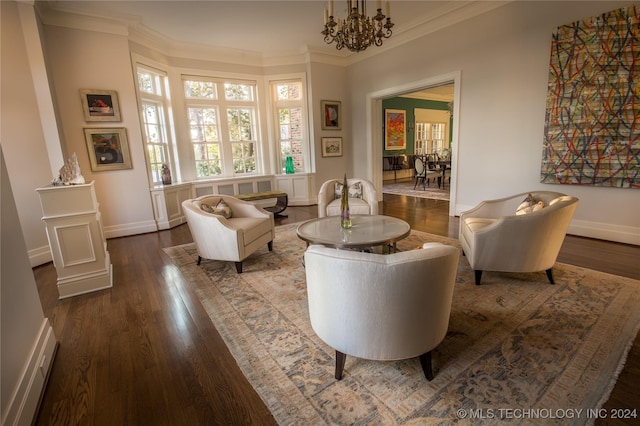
pixel 366 231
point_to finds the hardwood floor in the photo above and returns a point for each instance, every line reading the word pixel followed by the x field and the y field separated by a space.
pixel 145 351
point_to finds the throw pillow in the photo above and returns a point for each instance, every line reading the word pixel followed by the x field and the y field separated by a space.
pixel 223 209
pixel 529 205
pixel 354 191
pixel 206 207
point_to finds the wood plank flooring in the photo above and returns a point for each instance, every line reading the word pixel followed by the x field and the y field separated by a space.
pixel 145 351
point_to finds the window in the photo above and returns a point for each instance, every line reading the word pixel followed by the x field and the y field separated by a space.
pixel 223 129
pixel 153 100
pixel 290 118
pixel 429 138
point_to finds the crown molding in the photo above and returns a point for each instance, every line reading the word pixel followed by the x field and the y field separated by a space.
pixel 450 14
pixel 66 15
pixel 69 17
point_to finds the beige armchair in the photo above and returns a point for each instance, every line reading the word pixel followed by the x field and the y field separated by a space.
pixel 234 238
pixel 494 238
pixel 381 307
pixel 364 201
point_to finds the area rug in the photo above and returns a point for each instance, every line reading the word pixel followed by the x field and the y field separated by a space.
pixel 518 348
pixel 406 188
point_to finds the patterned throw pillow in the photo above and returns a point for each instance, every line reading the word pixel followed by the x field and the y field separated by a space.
pixel 221 209
pixel 528 205
pixel 355 190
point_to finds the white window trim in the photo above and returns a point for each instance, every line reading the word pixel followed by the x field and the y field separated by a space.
pixel 273 124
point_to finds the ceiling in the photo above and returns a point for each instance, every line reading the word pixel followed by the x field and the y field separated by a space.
pixel 266 27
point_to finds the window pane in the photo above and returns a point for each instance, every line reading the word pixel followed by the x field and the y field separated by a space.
pixel 145 82
pixel 289 91
pixel 238 92
pixel 203 125
pixel 239 121
pixel 200 90
pixel 150 113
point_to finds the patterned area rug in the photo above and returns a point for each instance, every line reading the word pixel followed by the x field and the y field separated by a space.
pixel 406 188
pixel 514 343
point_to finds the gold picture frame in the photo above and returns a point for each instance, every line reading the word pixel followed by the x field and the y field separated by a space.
pixel 100 105
pixel 331 115
pixel 332 147
pixel 108 149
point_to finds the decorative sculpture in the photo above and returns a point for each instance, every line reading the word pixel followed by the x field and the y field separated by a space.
pixel 70 173
pixel 166 175
pixel 345 217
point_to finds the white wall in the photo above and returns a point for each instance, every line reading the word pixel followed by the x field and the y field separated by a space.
pixel 328 83
pixel 503 59
pixel 28 345
pixel 21 132
pixel 81 59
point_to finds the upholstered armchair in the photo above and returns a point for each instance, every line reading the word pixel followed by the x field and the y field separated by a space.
pixel 363 198
pixel 495 238
pixel 381 307
pixel 230 230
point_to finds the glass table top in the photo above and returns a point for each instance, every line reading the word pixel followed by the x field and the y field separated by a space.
pixel 366 231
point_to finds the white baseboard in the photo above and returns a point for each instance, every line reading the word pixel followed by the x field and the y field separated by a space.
pixel 25 399
pixel 130 229
pixel 605 231
pixel 40 256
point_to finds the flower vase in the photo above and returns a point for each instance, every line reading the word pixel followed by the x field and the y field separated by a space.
pixel 289 168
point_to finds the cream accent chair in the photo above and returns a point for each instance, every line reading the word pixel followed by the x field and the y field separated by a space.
pixel 329 205
pixel 494 238
pixel 381 307
pixel 232 239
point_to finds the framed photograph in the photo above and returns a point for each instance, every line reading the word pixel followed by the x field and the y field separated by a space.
pixel 100 105
pixel 331 115
pixel 108 149
pixel 332 147
pixel 395 129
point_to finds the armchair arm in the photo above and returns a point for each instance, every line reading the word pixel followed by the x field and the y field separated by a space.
pixel 369 194
pixel 493 209
pixel 241 208
pixel 325 196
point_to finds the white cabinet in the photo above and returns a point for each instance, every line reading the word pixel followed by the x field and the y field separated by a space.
pixel 78 247
pixel 299 186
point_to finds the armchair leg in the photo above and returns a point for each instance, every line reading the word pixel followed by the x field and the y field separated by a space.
pixel 199 260
pixel 478 274
pixel 425 361
pixel 340 360
pixel 239 267
pixel 270 245
pixel 550 275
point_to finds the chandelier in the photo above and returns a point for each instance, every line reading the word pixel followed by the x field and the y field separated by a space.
pixel 358 31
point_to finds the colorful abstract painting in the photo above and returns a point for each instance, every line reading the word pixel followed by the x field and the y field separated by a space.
pixel 395 135
pixel 592 122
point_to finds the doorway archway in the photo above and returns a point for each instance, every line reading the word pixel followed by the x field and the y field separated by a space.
pixel 374 124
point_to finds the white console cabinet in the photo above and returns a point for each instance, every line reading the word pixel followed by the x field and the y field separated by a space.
pixel 76 239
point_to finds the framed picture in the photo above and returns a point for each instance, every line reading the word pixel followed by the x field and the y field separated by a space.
pixel 332 147
pixel 395 129
pixel 331 115
pixel 100 105
pixel 108 149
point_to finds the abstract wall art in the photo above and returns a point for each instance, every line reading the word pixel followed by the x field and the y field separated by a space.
pixel 395 129
pixel 592 120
